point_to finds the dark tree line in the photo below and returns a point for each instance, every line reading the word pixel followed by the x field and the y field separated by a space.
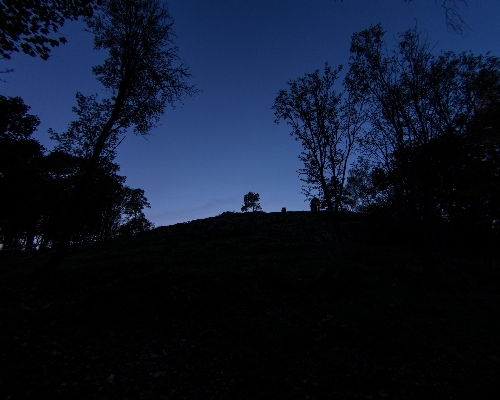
pixel 37 185
pixel 432 152
pixel 426 129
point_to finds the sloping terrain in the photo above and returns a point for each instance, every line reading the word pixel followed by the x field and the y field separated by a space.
pixel 247 306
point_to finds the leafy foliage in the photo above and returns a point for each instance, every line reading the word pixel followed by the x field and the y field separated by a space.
pixel 82 135
pixel 29 25
pixel 37 188
pixel 431 150
pixel 15 122
pixel 21 179
pixel 134 220
pixel 315 204
pixel 142 71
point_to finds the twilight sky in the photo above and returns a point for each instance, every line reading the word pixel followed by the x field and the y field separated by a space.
pixel 211 151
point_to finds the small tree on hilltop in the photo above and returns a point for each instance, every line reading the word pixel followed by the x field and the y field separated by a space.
pixel 251 201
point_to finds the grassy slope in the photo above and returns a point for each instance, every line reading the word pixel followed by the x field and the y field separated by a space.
pixel 248 307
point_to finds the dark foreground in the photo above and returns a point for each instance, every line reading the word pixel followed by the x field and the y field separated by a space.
pixel 248 307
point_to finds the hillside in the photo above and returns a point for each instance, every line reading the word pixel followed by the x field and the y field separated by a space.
pixel 248 306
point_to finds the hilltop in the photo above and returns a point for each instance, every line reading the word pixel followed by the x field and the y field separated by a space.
pixel 249 306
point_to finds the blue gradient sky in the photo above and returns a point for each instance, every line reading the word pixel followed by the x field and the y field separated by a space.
pixel 208 153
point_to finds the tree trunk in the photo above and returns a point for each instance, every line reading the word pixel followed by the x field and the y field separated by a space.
pixel 30 238
pixel 337 248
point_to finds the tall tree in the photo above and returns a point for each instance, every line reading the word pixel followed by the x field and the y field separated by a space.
pixel 143 74
pixel 29 25
pixel 326 123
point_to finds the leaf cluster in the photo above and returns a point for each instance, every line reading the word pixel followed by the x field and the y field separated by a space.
pixel 29 25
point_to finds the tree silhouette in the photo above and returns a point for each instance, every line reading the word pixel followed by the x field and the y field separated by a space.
pixel 315 204
pixel 326 123
pixel 432 140
pixel 21 180
pixel 143 74
pixel 37 189
pixel 108 204
pixel 29 25
pixel 251 201
pixel 135 221
pixel 366 187
pixel 15 122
